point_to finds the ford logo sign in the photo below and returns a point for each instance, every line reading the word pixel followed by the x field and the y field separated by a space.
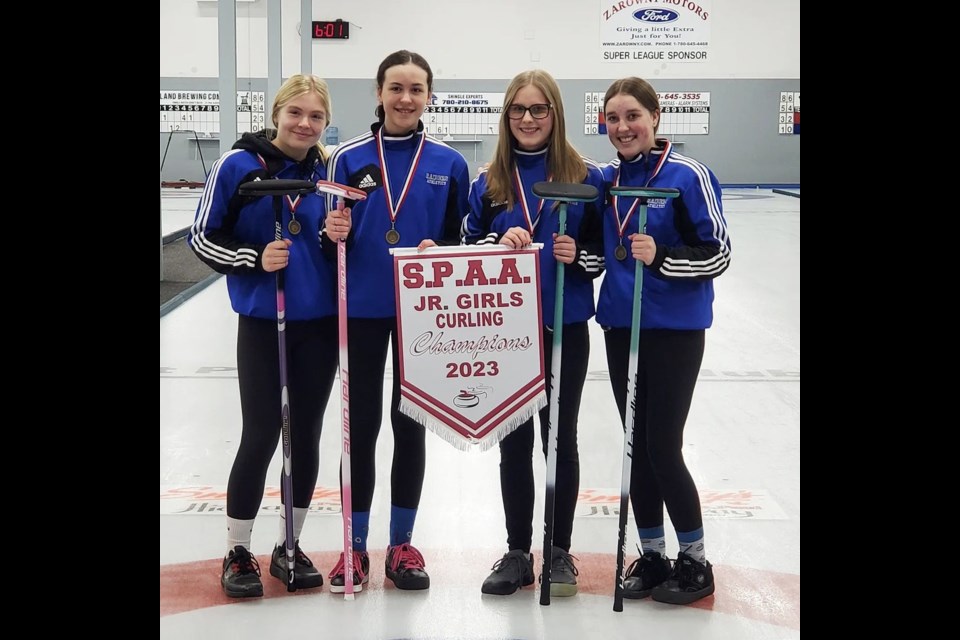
pixel 656 16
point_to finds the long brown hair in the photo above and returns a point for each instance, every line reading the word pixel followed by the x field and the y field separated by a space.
pixel 564 163
pixel 640 89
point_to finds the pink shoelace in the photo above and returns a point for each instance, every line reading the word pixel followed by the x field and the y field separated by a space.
pixel 340 569
pixel 406 556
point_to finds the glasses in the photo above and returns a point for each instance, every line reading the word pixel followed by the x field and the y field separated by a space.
pixel 538 111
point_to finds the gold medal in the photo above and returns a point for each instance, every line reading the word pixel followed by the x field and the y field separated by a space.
pixel 293 226
pixel 393 236
pixel 620 253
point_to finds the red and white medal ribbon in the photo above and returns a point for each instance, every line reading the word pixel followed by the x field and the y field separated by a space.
pixel 622 224
pixel 394 209
pixel 293 203
pixel 293 226
pixel 531 222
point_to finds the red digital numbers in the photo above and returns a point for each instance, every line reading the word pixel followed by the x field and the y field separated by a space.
pixel 331 30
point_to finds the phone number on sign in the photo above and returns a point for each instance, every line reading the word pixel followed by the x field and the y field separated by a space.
pixel 679 96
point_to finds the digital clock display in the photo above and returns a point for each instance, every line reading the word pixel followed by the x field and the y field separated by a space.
pixel 331 30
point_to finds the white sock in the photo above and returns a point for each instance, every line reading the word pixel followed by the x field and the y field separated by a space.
pixel 695 549
pixel 238 533
pixel 299 517
pixel 654 544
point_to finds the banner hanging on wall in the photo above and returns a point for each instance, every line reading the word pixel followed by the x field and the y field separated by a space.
pixel 657 31
pixel 471 344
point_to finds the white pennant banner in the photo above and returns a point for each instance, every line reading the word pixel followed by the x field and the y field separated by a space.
pixel 471 347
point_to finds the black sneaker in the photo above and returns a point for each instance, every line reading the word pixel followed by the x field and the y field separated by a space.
pixel 563 574
pixel 511 572
pixel 361 573
pixel 241 574
pixel 688 582
pixel 648 571
pixel 307 575
pixel 404 565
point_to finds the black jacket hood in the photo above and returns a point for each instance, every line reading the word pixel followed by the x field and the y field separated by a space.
pixel 276 159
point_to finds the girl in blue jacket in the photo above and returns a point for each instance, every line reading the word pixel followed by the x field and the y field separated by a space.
pixel 532 148
pixel 235 235
pixel 416 197
pixel 683 247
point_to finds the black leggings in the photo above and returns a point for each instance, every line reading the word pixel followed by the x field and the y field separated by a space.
pixel 368 342
pixel 667 370
pixel 312 350
pixel 516 450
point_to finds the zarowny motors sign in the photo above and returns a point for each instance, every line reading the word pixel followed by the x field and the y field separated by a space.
pixel 654 30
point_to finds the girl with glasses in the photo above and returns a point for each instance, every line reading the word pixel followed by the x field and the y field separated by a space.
pixel 533 147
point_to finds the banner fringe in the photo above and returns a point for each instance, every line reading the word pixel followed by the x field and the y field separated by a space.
pixel 521 415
